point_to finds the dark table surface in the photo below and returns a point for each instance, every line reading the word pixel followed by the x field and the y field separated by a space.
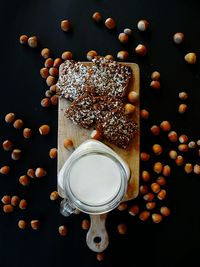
pixel 172 243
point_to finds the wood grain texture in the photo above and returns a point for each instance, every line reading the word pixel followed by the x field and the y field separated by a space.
pixel 66 129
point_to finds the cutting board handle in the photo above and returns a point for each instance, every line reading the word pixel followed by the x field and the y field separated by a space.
pixel 97 237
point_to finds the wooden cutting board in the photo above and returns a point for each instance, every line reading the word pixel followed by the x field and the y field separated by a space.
pixel 66 129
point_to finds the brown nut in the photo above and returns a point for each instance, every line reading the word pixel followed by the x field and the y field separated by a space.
pixel 122 55
pixel 133 97
pixel 183 147
pixel 24 180
pixel 162 194
pixel 33 41
pixel 50 80
pixel 144 114
pixel 123 206
pixel 27 132
pixel 48 63
pixel 183 95
pixel 149 196
pixel 158 167
pixel 143 189
pixel 100 256
pixel 8 208
pixel 129 109
pixel 7 145
pixel 150 205
pixel 134 210
pixel 190 58
pixel 144 215
pixel 45 53
pixel 96 17
pixel 54 195
pixel 157 149
pixel 31 173
pixel 161 180
pixel 40 172
pixel 67 55
pixel 155 75
pixel 142 25
pixel 65 25
pixel 123 37
pixel 122 228
pixel 179 160
pixel 173 137
pixel 182 108
pixel 165 126
pixel 57 62
pixel 23 39
pixel 18 124
pixel 144 156
pixel 110 23
pixel 5 169
pixel 109 57
pixel 96 134
pixel 53 71
pixel 16 154
pixel 48 93
pixel 6 199
pixel 142 50
pixel 157 218
pixel 183 138
pixel 196 169
pixel 155 187
pixel 192 145
pixel 165 211
pixel 145 176
pixel 173 154
pixel 188 167
pixel 85 225
pixel 21 224
pixel 9 118
pixel 178 37
pixel 155 129
pixel 68 144
pixel 166 170
pixel 23 204
pixel 91 54
pixel 155 84
pixel 62 229
pixel 128 31
pixel 54 100
pixel 15 201
pixel 53 153
pixel 35 224
pixel 44 129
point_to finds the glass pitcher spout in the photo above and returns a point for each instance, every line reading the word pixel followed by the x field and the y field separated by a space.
pixel 66 208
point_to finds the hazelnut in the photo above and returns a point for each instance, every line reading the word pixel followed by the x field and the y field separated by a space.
pixel 158 167
pixel 31 173
pixel 155 187
pixel 65 25
pixel 166 170
pixel 54 195
pixel 128 31
pixel 35 224
pixel 57 62
pixel 110 23
pixel 33 41
pixel 91 54
pixel 8 208
pixel 44 73
pixel 183 138
pixel 183 147
pixel 182 108
pixel 23 39
pixel 100 256
pixel 122 228
pixel 67 55
pixel 162 194
pixel 173 154
pixel 48 63
pixel 196 169
pixel 7 145
pixel 146 176
pixel 148 197
pixel 16 154
pixel 68 144
pixel 122 55
pixel 123 37
pixel 165 211
pixel 54 100
pixel 133 97
pixel 143 189
pixel 188 167
pixel 161 180
pixel 144 215
pixel 165 126
pixel 109 57
pixel 144 114
pixel 157 218
pixel 21 224
pixel 96 134
pixel 134 210
pixel 63 231
pixel 129 109
pixel 6 199
pixel 150 205
pixel 45 102
pixel 40 172
pixel 192 145
pixel 179 160
pixel 144 156
pixel 178 37
pixel 44 129
pixel 53 153
pixel 18 124
pixel 157 149
pixel 123 206
pixel 142 50
pixel 5 169
pixel 27 132
pixel 155 76
pixel 9 118
pixel 173 137
pixel 143 25
pixel 97 17
pixel 198 142
pixel 23 204
pixel 190 58
pixel 183 95
pixel 85 225
pixel 155 129
pixel 48 93
pixel 15 201
pixel 53 71
pixel 24 180
pixel 50 80
pixel 45 53
pixel 155 84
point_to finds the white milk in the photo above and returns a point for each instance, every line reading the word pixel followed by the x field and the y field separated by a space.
pixel 95 179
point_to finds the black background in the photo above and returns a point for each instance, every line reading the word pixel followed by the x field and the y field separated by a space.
pixel 172 243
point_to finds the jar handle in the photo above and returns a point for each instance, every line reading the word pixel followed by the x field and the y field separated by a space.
pixel 97 237
pixel 66 208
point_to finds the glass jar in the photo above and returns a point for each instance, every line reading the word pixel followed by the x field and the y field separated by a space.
pixel 94 179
